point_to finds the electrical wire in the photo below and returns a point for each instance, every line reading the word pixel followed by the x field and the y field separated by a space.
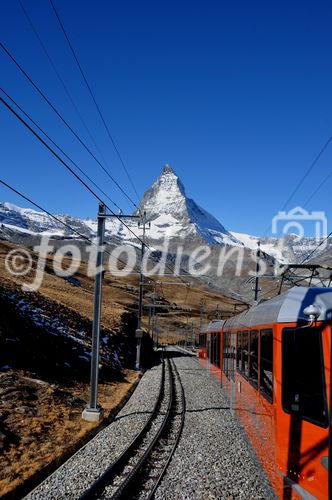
pixel 62 161
pixel 7 105
pixel 41 93
pixel 307 172
pixel 64 86
pixel 318 188
pixel 29 200
pixel 58 147
pixel 67 166
pixel 314 250
pixel 93 98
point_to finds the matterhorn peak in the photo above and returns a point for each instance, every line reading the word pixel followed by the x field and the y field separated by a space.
pixel 167 205
pixel 167 170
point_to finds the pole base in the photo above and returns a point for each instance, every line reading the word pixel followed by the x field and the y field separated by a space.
pixel 92 414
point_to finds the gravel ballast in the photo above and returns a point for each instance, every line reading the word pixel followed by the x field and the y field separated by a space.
pixel 213 460
pixel 77 474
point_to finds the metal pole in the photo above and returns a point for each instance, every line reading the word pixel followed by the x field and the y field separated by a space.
pixel 201 315
pixel 156 330
pixel 281 283
pixel 192 334
pixel 140 300
pixel 149 325
pixel 153 323
pixel 257 270
pixel 92 413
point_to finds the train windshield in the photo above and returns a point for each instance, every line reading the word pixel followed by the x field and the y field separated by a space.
pixel 303 377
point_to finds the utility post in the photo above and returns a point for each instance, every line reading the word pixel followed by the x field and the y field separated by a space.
pixel 192 335
pixel 202 304
pixel 153 311
pixel 139 332
pixel 156 329
pixel 152 324
pixel 92 412
pixel 258 254
pixel 149 323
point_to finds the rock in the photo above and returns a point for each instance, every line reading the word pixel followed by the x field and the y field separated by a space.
pixel 3 441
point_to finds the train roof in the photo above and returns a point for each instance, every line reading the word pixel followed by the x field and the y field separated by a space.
pixel 286 308
pixel 215 325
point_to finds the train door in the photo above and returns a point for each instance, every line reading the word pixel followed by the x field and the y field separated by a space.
pixel 302 419
pixel 232 370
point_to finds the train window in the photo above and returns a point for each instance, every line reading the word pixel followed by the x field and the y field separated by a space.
pixel 266 364
pixel 214 348
pixel 211 348
pixel 232 357
pixel 253 358
pixel 303 377
pixel 245 349
pixel 225 354
pixel 239 351
pixel 217 350
pixel 224 341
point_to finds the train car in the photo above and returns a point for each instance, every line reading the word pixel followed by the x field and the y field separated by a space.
pixel 209 342
pixel 274 364
pixel 201 343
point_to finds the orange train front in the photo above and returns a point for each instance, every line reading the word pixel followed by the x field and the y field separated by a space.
pixel 274 364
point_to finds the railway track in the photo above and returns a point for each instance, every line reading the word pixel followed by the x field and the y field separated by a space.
pixel 140 468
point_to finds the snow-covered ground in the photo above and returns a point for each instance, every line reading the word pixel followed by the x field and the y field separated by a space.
pixel 273 247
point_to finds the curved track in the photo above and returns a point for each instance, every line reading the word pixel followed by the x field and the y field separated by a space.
pixel 140 468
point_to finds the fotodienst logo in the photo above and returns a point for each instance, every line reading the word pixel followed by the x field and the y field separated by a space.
pixel 297 221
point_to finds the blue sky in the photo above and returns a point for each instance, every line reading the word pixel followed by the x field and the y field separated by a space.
pixel 236 96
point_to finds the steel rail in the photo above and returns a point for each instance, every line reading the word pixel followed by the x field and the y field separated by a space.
pixel 130 479
pixel 133 482
pixel 183 413
pixel 115 466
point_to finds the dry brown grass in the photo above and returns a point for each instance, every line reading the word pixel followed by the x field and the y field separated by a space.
pixel 120 294
pixel 51 426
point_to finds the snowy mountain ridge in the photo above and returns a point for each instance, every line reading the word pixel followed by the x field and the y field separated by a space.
pixel 172 215
pixel 167 196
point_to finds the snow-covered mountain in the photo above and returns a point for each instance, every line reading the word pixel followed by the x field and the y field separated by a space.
pixel 172 215
pixel 291 248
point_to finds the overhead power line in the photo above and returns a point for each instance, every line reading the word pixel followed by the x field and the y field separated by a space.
pixel 64 86
pixel 93 98
pixel 54 217
pixel 41 93
pixel 305 175
pixel 316 248
pixel 36 205
pixel 307 172
pixel 317 189
pixel 54 153
pixel 58 147
pixel 62 161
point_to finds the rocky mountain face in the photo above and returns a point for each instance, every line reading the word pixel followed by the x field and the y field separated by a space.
pixel 175 215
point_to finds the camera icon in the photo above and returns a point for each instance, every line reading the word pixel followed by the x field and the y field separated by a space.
pixel 297 219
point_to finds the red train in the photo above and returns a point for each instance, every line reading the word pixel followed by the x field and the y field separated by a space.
pixel 274 364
